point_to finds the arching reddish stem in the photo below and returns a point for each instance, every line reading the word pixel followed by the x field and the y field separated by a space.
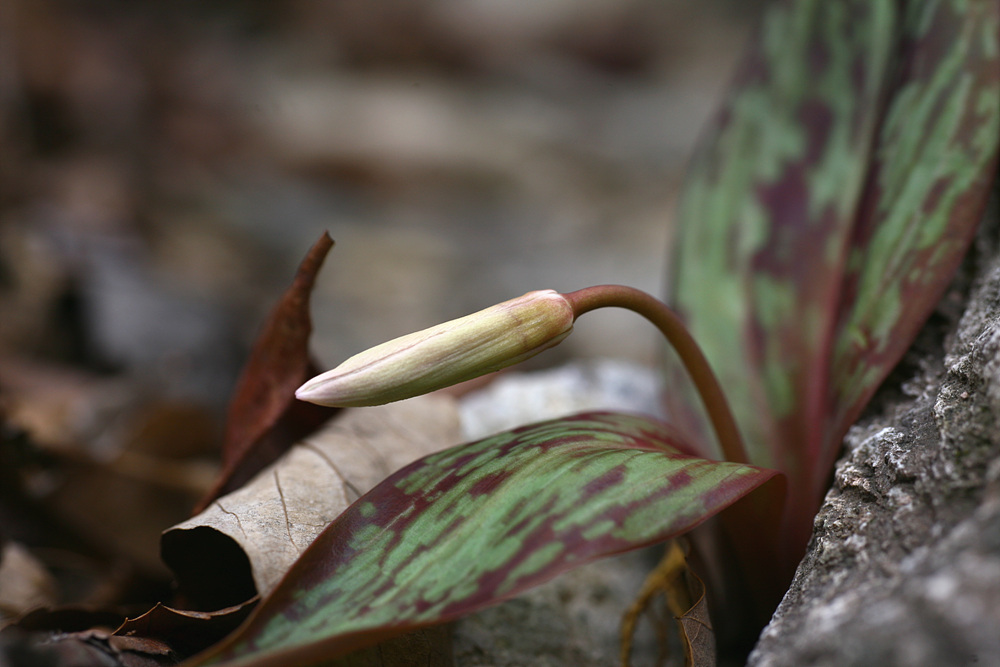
pixel 654 310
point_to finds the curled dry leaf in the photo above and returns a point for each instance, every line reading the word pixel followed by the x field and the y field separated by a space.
pixel 76 445
pixel 264 419
pixel 77 637
pixel 697 634
pixel 685 596
pixel 185 632
pixel 64 410
pixel 279 512
pixel 84 649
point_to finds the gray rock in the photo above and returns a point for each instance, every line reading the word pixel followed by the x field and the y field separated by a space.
pixel 904 564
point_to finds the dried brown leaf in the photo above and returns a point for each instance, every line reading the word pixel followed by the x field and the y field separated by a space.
pixel 111 462
pixel 277 515
pixel 83 649
pixel 697 634
pixel 67 620
pixel 185 632
pixel 63 409
pixel 264 419
pixel 684 593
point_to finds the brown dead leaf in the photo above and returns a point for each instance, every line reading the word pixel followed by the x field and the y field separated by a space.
pixel 697 634
pixel 82 649
pixel 58 497
pixel 685 596
pixel 264 419
pixel 70 619
pixel 264 526
pixel 76 636
pixel 185 632
pixel 125 514
pixel 125 497
pixel 64 409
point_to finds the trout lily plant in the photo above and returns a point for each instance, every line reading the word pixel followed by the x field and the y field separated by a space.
pixel 821 222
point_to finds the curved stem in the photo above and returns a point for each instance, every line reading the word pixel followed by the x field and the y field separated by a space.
pixel 654 310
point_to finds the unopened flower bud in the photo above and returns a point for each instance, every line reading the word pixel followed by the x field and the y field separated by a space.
pixel 446 354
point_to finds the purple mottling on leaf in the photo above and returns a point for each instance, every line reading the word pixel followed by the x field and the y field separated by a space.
pixel 860 67
pixel 933 197
pixel 816 118
pixel 525 521
pixel 611 478
pixel 422 605
pixel 787 201
pixel 455 524
pixel 818 58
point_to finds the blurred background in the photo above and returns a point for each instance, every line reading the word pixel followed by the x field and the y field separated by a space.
pixel 165 166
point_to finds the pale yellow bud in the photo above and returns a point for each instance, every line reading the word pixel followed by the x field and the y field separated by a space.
pixel 446 354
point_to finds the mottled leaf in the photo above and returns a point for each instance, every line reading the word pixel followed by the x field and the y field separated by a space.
pixel 264 419
pixel 476 524
pixel 767 212
pixel 826 214
pixel 930 178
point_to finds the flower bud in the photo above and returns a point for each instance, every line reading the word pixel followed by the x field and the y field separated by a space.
pixel 446 354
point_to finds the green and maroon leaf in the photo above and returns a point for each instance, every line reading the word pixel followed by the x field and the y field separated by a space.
pixel 933 168
pixel 767 215
pixel 825 218
pixel 475 524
